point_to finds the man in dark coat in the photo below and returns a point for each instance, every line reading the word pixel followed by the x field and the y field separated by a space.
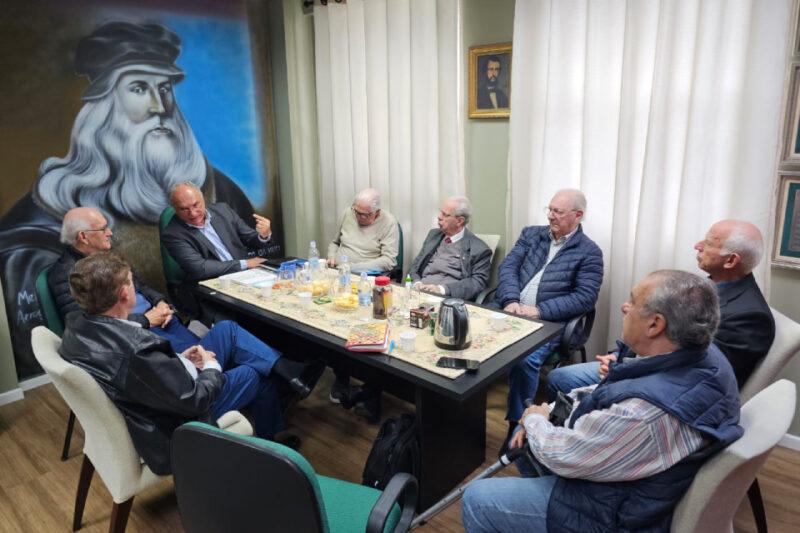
pixel 156 389
pixel 729 252
pixel 490 95
pixel 453 262
pixel 554 273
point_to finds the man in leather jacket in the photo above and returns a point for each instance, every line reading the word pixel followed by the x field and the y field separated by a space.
pixel 156 389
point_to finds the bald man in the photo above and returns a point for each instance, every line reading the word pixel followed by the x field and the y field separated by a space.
pixel 208 242
pixel 729 252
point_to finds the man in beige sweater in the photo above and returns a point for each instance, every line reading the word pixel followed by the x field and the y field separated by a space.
pixel 367 235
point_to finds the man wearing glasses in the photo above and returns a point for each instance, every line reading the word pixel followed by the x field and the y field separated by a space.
pixel 367 235
pixel 453 261
pixel 554 272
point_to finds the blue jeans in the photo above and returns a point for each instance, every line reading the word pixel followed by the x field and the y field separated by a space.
pixel 507 504
pixel 523 380
pixel 177 334
pixel 235 346
pixel 570 377
pixel 244 387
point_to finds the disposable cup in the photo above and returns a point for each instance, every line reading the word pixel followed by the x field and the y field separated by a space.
pixel 498 321
pixel 407 341
pixel 266 291
pixel 304 298
pixel 224 283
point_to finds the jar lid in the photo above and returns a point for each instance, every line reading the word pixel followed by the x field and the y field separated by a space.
pixel 382 280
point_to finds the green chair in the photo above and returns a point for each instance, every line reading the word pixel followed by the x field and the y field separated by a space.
pixel 173 272
pixel 52 320
pixel 228 482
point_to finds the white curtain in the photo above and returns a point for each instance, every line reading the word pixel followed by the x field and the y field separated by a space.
pixel 665 113
pixel 388 111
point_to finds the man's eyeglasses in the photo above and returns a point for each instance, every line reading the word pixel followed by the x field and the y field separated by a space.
pixel 446 215
pixel 103 229
pixel 558 213
pixel 359 214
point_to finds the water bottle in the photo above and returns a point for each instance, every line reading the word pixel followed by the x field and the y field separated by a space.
pixel 313 255
pixel 364 298
pixel 344 271
pixel 410 304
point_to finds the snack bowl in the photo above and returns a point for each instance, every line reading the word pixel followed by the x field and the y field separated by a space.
pixel 346 302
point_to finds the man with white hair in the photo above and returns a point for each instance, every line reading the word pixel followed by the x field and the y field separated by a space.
pixel 129 145
pixel 367 235
pixel 729 252
pixel 554 272
pixel 453 261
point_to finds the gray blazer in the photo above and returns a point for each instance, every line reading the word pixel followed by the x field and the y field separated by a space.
pixel 195 253
pixel 476 262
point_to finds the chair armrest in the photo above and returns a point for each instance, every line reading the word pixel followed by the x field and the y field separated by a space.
pixel 585 322
pixel 485 294
pixel 402 489
pixel 235 422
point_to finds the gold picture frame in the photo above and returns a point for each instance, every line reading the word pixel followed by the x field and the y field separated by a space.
pixel 490 81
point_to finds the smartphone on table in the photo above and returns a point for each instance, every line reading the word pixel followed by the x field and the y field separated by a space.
pixel 470 365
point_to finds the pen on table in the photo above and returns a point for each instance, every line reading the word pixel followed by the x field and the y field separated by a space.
pixel 391 348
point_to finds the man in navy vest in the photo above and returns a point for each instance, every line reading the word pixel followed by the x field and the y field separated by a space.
pixel 728 253
pixel 634 442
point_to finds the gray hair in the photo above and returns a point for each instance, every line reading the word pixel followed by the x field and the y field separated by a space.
pixel 689 304
pixel 188 184
pixel 745 240
pixel 577 197
pixel 463 207
pixel 71 227
pixel 369 196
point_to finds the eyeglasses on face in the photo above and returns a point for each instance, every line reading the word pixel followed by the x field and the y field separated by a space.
pixel 360 214
pixel 558 213
pixel 103 229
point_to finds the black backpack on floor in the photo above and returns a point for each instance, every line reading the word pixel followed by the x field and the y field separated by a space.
pixel 396 449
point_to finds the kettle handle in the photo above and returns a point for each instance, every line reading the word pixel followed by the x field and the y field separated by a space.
pixel 460 332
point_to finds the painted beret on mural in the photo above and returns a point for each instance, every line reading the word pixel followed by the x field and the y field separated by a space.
pixel 119 47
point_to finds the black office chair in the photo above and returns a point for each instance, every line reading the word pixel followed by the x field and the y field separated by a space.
pixel 229 482
pixel 54 323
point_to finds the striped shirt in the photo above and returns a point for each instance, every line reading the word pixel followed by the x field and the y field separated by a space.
pixel 632 439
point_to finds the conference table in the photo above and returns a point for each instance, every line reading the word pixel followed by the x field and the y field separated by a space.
pixel 451 413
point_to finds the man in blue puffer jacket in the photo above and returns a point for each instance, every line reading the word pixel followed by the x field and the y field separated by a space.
pixel 554 273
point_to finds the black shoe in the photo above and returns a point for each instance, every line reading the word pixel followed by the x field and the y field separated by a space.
pixel 304 384
pixel 370 409
pixel 290 441
pixel 340 391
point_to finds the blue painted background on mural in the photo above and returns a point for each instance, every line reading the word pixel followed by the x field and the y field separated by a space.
pixel 218 97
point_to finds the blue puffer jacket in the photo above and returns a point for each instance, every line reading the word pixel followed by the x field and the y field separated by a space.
pixel 569 284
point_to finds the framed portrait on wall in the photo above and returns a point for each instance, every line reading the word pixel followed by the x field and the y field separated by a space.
pixel 787 222
pixel 791 136
pixel 490 81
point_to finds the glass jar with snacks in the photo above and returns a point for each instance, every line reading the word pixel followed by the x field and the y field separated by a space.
pixel 381 298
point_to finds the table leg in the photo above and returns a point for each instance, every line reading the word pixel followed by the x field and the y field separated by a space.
pixel 452 438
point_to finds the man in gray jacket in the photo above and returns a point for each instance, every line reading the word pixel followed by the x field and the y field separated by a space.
pixel 453 261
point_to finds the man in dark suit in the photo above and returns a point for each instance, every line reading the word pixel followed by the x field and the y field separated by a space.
pixel 210 242
pixel 490 95
pixel 453 261
pixel 728 254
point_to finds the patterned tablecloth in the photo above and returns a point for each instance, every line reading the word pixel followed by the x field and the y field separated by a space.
pixel 486 342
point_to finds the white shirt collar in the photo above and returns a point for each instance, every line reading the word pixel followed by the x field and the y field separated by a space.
pixel 458 236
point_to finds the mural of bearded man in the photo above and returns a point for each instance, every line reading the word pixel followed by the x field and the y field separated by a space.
pixel 130 144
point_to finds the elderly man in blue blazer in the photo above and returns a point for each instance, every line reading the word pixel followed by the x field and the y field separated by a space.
pixel 453 261
pixel 554 272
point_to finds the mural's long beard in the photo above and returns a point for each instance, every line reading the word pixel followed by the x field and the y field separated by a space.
pixel 120 167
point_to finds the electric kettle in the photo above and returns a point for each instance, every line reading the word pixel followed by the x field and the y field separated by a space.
pixel 452 325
